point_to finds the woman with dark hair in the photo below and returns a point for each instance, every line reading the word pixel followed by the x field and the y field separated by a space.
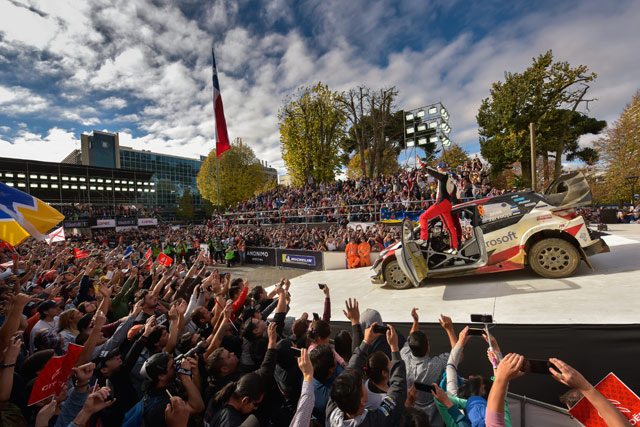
pixel 237 400
pixel 319 332
pixel 377 371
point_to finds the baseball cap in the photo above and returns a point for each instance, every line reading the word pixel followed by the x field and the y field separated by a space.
pixel 442 165
pixel 103 356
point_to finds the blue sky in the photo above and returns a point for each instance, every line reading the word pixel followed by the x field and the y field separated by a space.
pixel 143 68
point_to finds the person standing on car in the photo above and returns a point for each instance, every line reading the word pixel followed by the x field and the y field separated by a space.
pixel 441 207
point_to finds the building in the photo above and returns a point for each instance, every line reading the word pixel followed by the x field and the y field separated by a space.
pixel 270 173
pixel 171 175
pixel 284 180
pixel 61 184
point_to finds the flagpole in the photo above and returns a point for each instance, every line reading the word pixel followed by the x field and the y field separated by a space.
pixel 218 179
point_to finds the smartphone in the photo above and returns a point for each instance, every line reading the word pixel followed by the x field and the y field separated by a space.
pixel 482 318
pixel 111 390
pixel 476 331
pixel 379 329
pixel 321 285
pixel 424 387
pixel 316 316
pixel 161 319
pixel 536 366
pixel 296 351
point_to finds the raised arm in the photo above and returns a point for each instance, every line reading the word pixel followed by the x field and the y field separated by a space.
pixel 415 327
pixel 447 325
pixel 569 376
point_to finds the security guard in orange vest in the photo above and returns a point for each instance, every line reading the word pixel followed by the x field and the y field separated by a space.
pixel 364 249
pixel 353 260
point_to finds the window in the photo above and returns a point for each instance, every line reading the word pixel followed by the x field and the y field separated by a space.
pixel 108 181
pixel 75 187
pixel 33 185
pixel 65 186
pixel 10 184
pixel 10 175
pixel 22 184
pixel 100 188
pixel 83 187
pixel 117 181
pixel 65 178
pixel 100 180
pixel 73 178
pixel 82 179
pixel 44 185
pixel 54 185
pixel 33 176
pixel 109 188
pixel 92 180
pixel 117 188
pixel 43 176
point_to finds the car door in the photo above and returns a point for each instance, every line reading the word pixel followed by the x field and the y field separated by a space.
pixel 569 191
pixel 410 256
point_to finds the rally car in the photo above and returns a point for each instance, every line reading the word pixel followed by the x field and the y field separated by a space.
pixel 501 233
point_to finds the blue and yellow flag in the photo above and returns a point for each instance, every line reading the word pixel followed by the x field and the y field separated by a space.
pixel 22 215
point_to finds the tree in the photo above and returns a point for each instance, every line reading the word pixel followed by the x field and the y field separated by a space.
pixel 454 155
pixel 619 149
pixel 389 163
pixel 240 175
pixel 270 184
pixel 536 95
pixel 311 127
pixel 184 208
pixel 375 128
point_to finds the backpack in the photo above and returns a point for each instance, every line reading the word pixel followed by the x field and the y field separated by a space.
pixel 135 416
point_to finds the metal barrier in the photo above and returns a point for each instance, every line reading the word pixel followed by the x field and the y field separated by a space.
pixel 527 412
pixel 323 214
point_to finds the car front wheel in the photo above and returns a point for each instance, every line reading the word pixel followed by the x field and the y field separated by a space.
pixel 394 276
pixel 554 258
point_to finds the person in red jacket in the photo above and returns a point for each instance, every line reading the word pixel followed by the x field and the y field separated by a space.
pixel 441 207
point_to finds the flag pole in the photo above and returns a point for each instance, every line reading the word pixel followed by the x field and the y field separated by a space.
pixel 218 179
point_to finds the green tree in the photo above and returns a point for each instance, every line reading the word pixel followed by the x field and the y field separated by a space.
pixel 619 149
pixel 311 127
pixel 536 95
pixel 240 175
pixel 184 208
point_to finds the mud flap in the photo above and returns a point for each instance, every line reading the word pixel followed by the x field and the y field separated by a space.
pixel 410 257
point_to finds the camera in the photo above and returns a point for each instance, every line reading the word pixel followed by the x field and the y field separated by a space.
pixel 482 318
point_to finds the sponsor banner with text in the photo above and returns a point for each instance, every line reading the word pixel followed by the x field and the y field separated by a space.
pixel 261 256
pixel 105 223
pixel 147 221
pixel 307 260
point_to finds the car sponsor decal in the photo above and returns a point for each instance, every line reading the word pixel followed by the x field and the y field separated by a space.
pixel 518 199
pixel 502 239
pixel 494 212
pixel 531 204
pixel 522 202
pixel 543 217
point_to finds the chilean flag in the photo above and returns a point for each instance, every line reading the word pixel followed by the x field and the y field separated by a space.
pixel 222 138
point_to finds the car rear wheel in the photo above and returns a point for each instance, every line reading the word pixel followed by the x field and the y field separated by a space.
pixel 554 258
pixel 394 276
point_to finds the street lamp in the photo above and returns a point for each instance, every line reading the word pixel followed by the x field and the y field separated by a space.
pixel 633 180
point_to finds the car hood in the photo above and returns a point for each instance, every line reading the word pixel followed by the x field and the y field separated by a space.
pixel 569 191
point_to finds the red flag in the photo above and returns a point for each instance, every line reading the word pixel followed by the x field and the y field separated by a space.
pixel 148 254
pixel 618 394
pixel 222 137
pixel 54 375
pixel 5 245
pixel 165 260
pixel 80 253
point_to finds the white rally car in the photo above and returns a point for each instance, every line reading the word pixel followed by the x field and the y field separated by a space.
pixel 501 233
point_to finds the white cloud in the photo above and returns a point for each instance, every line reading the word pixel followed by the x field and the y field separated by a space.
pixel 53 147
pixel 113 102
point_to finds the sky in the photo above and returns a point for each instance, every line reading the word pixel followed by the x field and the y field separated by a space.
pixel 143 67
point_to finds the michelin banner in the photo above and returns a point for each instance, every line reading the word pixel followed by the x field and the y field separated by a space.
pixel 307 260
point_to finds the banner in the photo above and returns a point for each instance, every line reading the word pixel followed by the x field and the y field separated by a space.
pixel 621 396
pixel 387 216
pixel 147 221
pixel 126 227
pixel 54 375
pixel 165 260
pixel 261 256
pixel 307 260
pixel 78 223
pixel 147 254
pixel 80 253
pixel 362 225
pixel 105 223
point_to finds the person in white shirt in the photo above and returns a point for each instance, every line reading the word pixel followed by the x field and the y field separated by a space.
pixel 49 312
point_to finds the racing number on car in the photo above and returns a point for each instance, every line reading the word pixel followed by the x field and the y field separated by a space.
pixel 481 210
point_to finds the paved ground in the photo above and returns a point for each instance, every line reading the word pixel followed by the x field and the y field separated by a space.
pixel 607 295
pixel 261 275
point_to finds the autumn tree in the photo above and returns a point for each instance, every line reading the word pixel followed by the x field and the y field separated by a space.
pixel 389 163
pixel 184 208
pixel 240 175
pixel 311 127
pixel 619 150
pixel 454 156
pixel 538 95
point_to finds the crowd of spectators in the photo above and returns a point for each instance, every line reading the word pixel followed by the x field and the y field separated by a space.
pixel 184 345
pixel 358 200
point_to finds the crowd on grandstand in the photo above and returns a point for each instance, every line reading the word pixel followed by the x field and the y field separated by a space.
pixel 92 211
pixel 184 345
pixel 358 200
